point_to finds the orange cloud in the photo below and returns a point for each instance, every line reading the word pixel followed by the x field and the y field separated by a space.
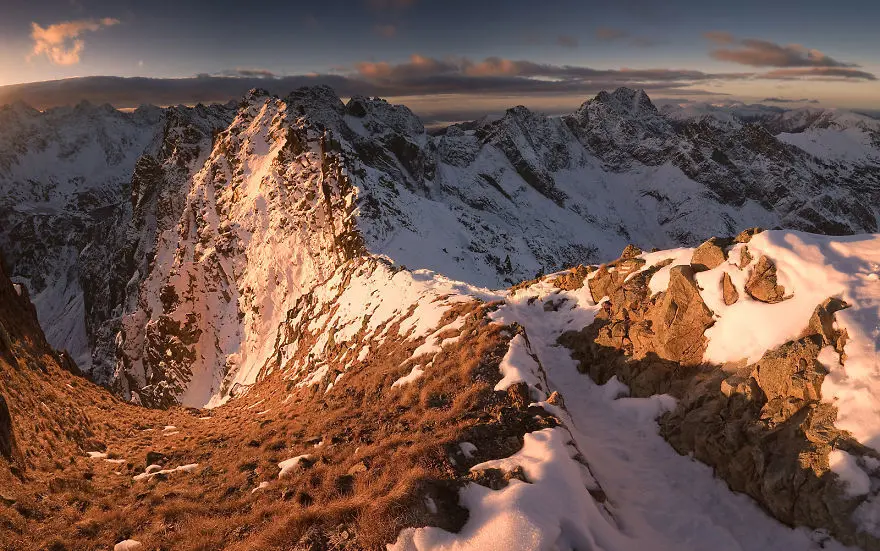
pixel 763 53
pixel 61 42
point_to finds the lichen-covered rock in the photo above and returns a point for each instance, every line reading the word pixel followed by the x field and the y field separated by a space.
pixel 728 290
pixel 762 283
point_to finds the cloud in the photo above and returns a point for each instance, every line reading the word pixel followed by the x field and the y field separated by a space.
pixel 385 31
pixel 608 34
pixel 719 37
pixel 567 41
pixel 763 53
pixel 789 100
pixel 244 72
pixel 819 73
pixel 61 42
pixel 417 77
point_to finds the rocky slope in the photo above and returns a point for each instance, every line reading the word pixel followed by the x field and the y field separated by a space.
pixel 401 407
pixel 199 245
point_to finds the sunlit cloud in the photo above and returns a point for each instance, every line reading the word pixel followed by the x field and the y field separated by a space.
pixel 819 73
pixel 763 53
pixel 61 43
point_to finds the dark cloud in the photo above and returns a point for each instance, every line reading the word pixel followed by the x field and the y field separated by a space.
pixel 789 100
pixel 419 76
pixel 246 72
pixel 763 53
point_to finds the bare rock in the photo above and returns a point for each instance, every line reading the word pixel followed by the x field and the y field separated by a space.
pixel 746 235
pixel 128 545
pixel 631 251
pixel 604 283
pixel 728 290
pixel 762 282
pixel 709 255
pixel 745 258
pixel 681 318
pixel 573 278
pixel 822 323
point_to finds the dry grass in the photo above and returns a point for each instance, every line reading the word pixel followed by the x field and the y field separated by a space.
pixel 383 452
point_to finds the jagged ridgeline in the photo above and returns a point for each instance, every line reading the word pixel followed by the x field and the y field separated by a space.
pixel 404 409
pixel 165 247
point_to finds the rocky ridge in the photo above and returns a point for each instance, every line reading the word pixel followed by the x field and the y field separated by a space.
pixel 183 229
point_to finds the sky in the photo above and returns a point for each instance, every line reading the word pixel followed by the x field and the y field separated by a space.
pixel 442 56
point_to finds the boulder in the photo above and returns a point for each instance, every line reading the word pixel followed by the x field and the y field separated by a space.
pixel 128 545
pixel 762 284
pixel 822 323
pixel 709 255
pixel 681 318
pixel 728 290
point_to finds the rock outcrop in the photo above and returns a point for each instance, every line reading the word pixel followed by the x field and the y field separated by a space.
pixel 763 426
pixel 709 255
pixel 728 290
pixel 762 284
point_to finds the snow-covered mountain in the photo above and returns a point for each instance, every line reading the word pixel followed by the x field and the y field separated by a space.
pixel 167 247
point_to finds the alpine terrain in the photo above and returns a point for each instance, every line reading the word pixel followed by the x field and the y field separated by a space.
pixel 302 323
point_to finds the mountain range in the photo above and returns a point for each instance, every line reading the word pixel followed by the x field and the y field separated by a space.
pixel 302 323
